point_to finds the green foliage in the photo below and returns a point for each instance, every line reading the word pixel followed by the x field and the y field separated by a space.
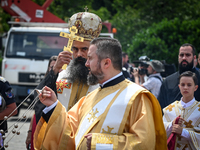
pixel 156 28
pixel 4 18
pixel 127 23
pixel 108 4
pixel 65 9
pixel 162 40
pixel 39 2
pixel 103 13
pixel 137 16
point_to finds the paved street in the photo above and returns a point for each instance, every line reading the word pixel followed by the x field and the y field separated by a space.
pixel 18 141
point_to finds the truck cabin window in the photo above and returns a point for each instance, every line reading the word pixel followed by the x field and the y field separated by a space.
pixel 34 45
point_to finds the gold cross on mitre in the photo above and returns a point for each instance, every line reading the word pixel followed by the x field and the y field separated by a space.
pixel 73 30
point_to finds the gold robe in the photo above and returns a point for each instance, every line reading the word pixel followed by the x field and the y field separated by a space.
pixel 191 115
pixel 141 127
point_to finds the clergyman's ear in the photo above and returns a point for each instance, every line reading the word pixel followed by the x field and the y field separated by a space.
pixel 107 62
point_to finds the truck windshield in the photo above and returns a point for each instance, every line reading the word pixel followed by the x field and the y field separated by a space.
pixel 34 45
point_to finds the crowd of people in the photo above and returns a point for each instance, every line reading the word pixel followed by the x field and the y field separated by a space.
pixel 100 101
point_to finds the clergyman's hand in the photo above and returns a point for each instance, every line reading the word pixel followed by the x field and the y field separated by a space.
pixel 177 129
pixel 89 139
pixel 64 57
pixel 180 121
pixel 47 96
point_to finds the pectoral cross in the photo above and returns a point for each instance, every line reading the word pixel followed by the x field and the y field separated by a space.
pixel 73 30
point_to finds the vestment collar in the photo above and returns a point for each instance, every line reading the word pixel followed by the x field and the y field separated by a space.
pixel 113 81
pixel 185 105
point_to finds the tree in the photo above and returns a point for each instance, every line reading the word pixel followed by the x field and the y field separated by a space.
pixel 4 18
pixel 156 27
pixel 162 40
pixel 65 9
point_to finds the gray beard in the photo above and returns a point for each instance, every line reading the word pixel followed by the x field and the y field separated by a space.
pixel 76 71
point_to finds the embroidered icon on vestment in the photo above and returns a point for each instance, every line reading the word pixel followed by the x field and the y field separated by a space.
pixel 108 131
pixel 199 107
pixel 170 107
pixel 92 113
pixel 188 124
pixel 60 85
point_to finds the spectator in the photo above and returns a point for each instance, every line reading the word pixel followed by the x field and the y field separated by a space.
pixel 154 80
pixel 7 106
pixel 51 63
pixel 125 65
pixel 130 70
pixel 32 126
pixel 198 59
pixel 169 91
pixel 125 60
pixel 188 125
pixel 196 63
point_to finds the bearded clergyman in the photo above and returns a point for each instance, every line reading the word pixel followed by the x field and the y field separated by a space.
pixel 71 84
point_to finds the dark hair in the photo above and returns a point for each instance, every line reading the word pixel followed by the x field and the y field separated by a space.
pixel 189 74
pixel 53 58
pixel 193 48
pixel 109 48
pixel 124 54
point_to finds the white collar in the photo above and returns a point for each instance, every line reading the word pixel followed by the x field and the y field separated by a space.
pixel 155 74
pixel 185 105
pixel 111 79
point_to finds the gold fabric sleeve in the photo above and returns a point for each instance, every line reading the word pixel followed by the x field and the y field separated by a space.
pixel 59 131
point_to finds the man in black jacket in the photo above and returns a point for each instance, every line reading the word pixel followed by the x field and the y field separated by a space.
pixel 7 106
pixel 169 91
